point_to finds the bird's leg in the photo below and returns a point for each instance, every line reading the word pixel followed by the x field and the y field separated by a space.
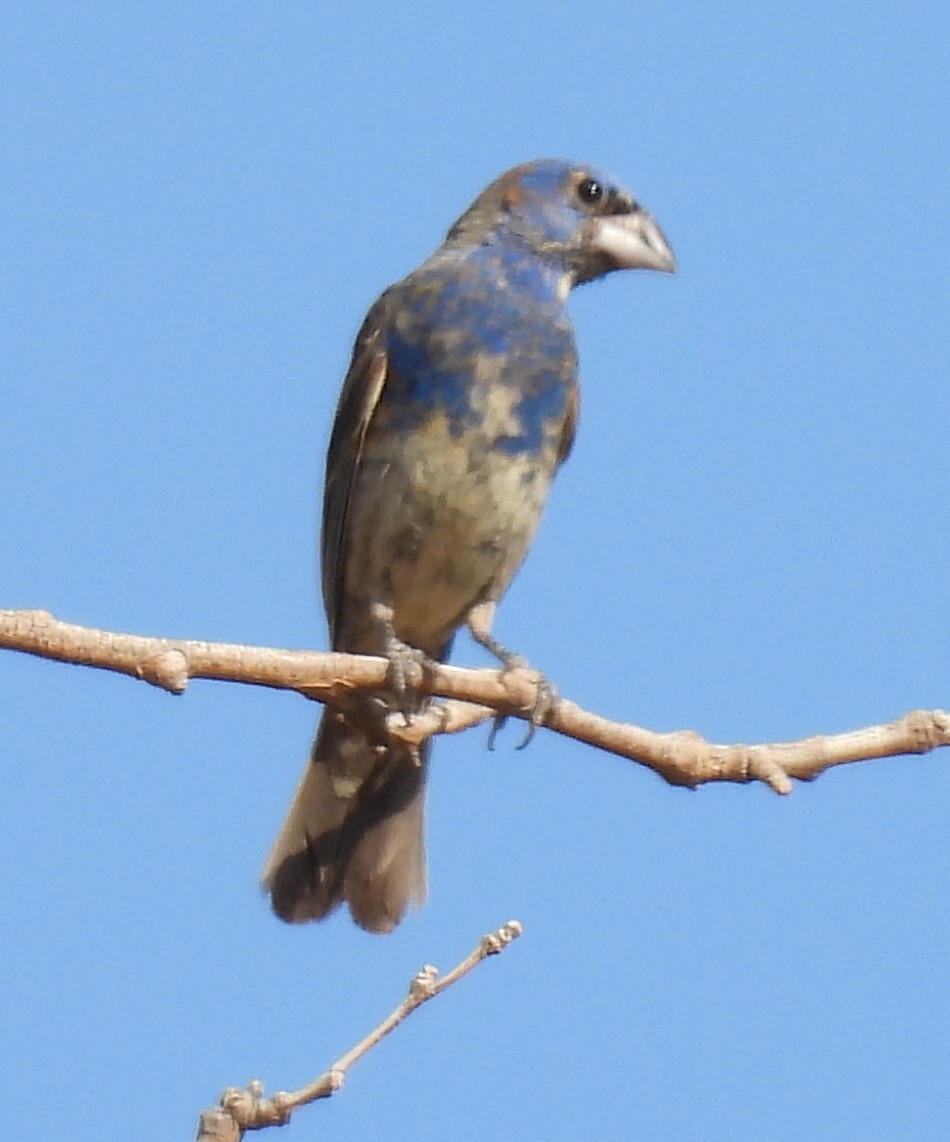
pixel 402 658
pixel 479 621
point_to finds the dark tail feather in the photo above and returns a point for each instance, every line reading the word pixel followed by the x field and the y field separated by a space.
pixel 354 832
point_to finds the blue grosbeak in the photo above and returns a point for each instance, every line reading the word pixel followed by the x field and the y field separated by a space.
pixel 459 405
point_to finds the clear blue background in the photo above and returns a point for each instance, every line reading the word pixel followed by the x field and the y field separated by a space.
pixel 198 204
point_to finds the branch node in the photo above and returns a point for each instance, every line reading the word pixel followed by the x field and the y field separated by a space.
pixel 496 942
pixel 764 767
pixel 277 1110
pixel 925 729
pixel 168 670
pixel 217 1125
pixel 423 983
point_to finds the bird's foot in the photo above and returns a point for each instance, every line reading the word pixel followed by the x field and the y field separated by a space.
pixel 479 624
pixel 406 663
pixel 545 699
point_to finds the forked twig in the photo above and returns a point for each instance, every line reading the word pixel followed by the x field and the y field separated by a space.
pixel 681 757
pixel 248 1109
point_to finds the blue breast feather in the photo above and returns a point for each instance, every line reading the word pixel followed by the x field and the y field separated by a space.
pixel 467 325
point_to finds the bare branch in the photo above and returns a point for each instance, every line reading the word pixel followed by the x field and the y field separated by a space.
pixel 681 757
pixel 247 1109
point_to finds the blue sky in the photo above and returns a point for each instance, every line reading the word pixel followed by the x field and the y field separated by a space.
pixel 199 203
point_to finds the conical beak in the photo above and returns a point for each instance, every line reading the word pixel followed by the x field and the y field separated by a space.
pixel 633 242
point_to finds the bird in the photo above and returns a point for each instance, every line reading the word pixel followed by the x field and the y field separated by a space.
pixel 459 405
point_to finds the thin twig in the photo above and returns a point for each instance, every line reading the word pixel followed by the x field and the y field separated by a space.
pixel 247 1109
pixel 681 757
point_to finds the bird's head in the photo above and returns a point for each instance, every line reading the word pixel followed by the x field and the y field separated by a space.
pixel 572 215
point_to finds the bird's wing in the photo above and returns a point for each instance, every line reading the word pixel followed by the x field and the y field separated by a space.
pixel 360 395
pixel 571 415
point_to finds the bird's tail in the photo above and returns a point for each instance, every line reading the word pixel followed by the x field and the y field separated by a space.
pixel 354 832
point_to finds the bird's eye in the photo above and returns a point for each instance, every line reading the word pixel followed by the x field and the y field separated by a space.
pixel 589 191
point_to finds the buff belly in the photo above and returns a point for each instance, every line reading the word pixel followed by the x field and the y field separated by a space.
pixel 450 519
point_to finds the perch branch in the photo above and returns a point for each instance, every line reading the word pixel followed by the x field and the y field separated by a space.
pixel 681 757
pixel 247 1109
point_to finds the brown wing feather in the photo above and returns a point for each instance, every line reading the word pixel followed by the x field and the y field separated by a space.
pixel 362 388
pixel 569 430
